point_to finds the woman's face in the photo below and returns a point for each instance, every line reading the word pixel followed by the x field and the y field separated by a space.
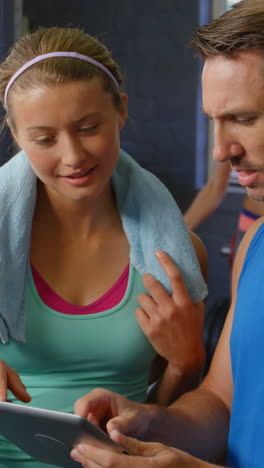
pixel 70 133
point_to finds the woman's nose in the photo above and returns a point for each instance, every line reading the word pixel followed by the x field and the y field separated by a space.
pixel 73 152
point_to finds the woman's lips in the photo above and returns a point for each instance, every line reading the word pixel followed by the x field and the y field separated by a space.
pixel 79 173
pixel 81 178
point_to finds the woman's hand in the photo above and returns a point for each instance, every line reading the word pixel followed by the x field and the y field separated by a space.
pixel 145 455
pixel 172 323
pixel 10 380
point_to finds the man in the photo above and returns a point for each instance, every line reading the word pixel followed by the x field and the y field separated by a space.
pixel 199 422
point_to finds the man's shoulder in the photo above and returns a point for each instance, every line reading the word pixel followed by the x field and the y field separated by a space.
pixel 250 234
pixel 244 247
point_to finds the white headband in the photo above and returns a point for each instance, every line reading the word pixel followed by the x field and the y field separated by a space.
pixel 39 58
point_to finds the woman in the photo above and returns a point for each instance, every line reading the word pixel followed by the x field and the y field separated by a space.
pixel 81 222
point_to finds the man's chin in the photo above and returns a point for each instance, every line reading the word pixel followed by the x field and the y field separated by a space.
pixel 256 193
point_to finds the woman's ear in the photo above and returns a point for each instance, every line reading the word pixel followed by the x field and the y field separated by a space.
pixel 123 110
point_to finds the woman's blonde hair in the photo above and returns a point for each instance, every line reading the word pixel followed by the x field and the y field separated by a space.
pixel 58 70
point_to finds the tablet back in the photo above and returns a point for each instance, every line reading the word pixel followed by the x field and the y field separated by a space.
pixel 49 436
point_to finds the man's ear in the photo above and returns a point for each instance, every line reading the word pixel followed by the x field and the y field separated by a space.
pixel 123 110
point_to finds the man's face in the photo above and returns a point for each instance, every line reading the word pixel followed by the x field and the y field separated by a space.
pixel 233 96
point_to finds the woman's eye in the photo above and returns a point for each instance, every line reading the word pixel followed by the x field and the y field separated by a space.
pixel 44 140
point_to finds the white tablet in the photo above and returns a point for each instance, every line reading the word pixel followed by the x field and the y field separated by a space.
pixel 49 436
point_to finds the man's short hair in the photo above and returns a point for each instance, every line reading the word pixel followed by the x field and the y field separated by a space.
pixel 241 28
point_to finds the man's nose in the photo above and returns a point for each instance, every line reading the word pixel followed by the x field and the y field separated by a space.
pixel 225 146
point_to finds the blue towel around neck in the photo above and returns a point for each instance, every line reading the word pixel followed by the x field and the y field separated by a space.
pixel 151 220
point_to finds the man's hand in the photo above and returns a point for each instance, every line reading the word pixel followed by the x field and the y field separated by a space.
pixel 10 380
pixel 173 324
pixel 110 411
pixel 144 455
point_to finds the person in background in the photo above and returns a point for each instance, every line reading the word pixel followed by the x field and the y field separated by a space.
pixel 221 421
pixel 211 196
pixel 91 244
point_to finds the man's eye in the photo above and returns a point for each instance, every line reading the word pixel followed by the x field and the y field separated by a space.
pixel 89 129
pixel 245 120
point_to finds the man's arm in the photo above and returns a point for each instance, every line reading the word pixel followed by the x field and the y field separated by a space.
pixel 145 455
pixel 198 422
pixel 209 197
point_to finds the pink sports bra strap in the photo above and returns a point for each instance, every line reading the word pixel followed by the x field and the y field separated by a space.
pixel 109 300
pixel 246 219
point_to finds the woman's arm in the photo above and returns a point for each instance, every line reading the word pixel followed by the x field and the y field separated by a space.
pixel 179 370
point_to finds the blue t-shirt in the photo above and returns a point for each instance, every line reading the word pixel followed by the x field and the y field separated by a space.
pixel 245 445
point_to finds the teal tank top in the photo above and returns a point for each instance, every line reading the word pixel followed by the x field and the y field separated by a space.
pixel 246 436
pixel 67 356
